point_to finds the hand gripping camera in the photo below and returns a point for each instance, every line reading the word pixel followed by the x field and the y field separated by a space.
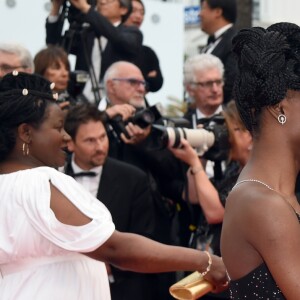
pixel 211 141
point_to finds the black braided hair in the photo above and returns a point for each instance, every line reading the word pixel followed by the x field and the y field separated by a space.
pixel 23 99
pixel 268 61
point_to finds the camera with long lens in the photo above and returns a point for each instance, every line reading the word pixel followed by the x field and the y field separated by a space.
pixel 211 141
pixel 143 117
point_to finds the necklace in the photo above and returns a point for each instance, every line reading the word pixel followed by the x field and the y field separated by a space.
pixel 253 180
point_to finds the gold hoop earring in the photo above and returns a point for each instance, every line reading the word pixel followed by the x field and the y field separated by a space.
pixel 25 149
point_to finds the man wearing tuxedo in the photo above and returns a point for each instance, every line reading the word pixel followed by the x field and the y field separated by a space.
pixel 203 81
pixel 100 40
pixel 121 187
pixel 217 20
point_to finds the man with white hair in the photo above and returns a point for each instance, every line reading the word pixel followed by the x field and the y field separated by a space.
pixel 123 84
pixel 14 56
pixel 125 88
pixel 203 81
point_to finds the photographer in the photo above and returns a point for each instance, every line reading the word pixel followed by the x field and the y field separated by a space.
pixel 211 194
pixel 52 63
pixel 203 81
pixel 125 87
pixel 96 36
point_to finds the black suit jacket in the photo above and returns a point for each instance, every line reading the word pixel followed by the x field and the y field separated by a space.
pixel 148 61
pixel 124 42
pixel 125 192
pixel 223 50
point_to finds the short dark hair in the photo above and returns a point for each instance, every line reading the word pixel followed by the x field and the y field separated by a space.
pixel 229 8
pixel 127 4
pixel 49 56
pixel 80 114
pixel 24 98
pixel 269 66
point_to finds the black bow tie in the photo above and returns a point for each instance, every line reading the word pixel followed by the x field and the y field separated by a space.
pixel 211 39
pixel 81 174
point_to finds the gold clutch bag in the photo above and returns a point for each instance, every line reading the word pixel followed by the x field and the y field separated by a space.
pixel 191 287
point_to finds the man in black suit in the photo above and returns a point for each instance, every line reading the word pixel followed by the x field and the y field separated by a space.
pixel 121 187
pixel 217 20
pixel 101 38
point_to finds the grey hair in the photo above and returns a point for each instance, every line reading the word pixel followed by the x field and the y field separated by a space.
pixel 113 71
pixel 25 56
pixel 201 63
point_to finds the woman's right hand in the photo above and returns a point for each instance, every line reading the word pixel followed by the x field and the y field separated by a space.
pixel 186 153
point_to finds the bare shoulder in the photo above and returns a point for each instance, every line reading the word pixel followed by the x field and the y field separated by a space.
pixel 256 222
pixel 65 211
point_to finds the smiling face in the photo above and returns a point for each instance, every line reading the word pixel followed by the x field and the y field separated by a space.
pixel 90 145
pixel 48 141
pixel 136 17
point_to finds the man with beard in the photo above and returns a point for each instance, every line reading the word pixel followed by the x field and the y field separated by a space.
pixel 121 187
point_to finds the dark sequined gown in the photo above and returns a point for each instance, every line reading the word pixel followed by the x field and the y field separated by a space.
pixel 258 284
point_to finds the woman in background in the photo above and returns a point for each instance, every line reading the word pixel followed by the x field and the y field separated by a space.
pixel 211 194
pixel 53 64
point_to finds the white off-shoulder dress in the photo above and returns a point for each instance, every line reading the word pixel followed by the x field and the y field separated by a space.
pixel 40 257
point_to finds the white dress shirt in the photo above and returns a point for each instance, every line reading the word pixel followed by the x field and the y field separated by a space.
pixel 209 167
pixel 90 183
pixel 218 36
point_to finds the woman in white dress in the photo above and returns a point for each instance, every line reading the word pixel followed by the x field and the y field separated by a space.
pixel 55 236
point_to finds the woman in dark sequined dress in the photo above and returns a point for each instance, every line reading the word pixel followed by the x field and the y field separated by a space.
pixel 260 240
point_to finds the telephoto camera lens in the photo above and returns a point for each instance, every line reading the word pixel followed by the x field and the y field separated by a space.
pixel 198 138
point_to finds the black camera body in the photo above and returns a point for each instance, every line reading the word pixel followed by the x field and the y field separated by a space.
pixel 211 141
pixel 143 117
pixel 219 151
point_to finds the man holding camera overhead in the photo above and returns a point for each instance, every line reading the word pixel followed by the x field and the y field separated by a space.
pixel 96 36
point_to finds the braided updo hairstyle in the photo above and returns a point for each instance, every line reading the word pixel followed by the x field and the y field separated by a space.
pixel 23 99
pixel 269 65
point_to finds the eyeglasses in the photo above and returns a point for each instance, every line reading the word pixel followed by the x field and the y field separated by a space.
pixel 7 68
pixel 209 84
pixel 133 82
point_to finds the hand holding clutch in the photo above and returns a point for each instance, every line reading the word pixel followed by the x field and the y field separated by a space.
pixel 191 287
